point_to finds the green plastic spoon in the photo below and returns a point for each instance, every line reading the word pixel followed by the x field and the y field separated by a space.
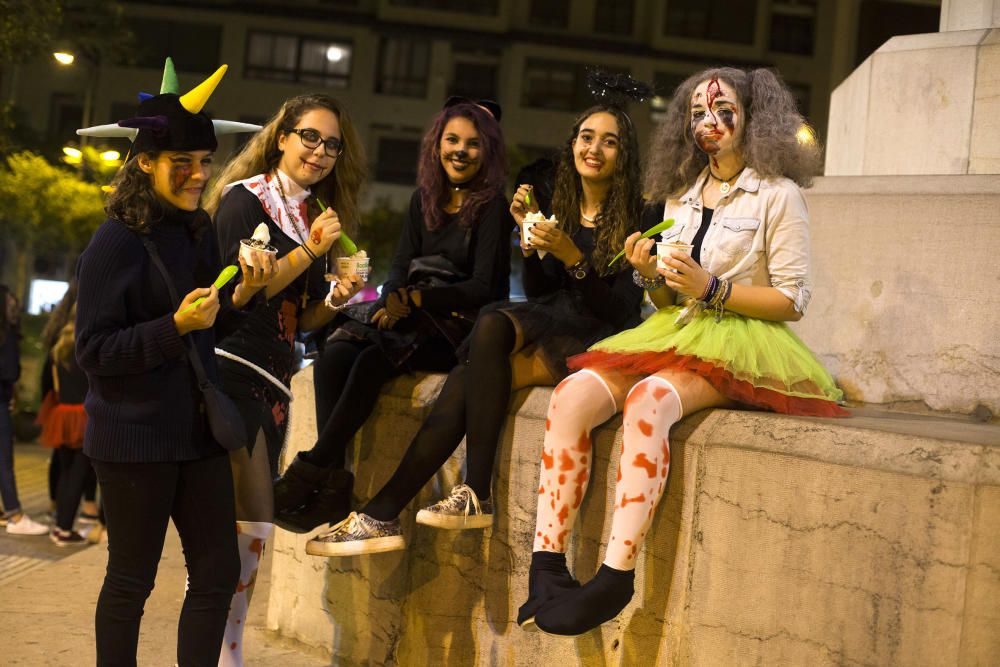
pixel 225 276
pixel 345 241
pixel 652 231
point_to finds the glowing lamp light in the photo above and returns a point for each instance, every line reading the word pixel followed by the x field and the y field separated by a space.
pixel 74 153
pixel 64 58
pixel 805 135
pixel 110 156
pixel 335 54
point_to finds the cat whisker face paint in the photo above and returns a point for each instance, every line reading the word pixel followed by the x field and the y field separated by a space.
pixel 460 151
pixel 715 118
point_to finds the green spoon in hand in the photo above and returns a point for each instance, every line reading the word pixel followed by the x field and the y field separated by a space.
pixel 652 231
pixel 225 276
pixel 345 241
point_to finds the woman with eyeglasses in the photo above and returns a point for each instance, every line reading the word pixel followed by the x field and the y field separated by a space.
pixel 453 257
pixel 308 153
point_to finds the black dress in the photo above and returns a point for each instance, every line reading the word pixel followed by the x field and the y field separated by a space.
pixel 457 269
pixel 564 316
pixel 267 337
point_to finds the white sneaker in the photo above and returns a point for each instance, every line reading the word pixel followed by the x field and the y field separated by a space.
pixel 460 510
pixel 26 526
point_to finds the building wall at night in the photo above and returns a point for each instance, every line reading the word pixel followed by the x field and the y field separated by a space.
pixel 392 62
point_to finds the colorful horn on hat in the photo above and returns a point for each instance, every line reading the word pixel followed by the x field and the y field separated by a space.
pixel 195 99
pixel 233 127
pixel 170 83
pixel 111 130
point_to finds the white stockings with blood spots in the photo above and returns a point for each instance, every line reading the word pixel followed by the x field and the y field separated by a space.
pixel 652 407
pixel 581 402
pixel 250 536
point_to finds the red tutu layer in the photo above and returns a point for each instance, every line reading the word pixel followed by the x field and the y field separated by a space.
pixel 648 363
pixel 62 424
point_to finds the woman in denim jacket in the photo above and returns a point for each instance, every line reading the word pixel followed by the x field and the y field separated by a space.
pixel 728 162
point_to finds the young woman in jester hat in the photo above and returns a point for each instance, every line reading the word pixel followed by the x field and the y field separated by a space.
pixel 727 163
pixel 576 296
pixel 147 433
pixel 309 152
pixel 453 258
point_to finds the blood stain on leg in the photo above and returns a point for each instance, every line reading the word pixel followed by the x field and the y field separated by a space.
pixel 638 499
pixel 547 460
pixel 563 513
pixel 645 427
pixel 641 461
pixel 566 461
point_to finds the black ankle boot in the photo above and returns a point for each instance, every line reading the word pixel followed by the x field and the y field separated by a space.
pixel 547 579
pixel 331 505
pixel 596 602
pixel 296 487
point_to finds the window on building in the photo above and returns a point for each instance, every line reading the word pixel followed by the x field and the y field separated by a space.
pixel 793 26
pixel 664 84
pixel 551 84
pixel 716 20
pixel 475 72
pixel 614 17
pixel 298 58
pixel 878 20
pixel 66 115
pixel 155 39
pixel 484 7
pixel 549 13
pixel 403 66
pixel 397 160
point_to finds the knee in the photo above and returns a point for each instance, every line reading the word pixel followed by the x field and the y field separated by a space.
pixel 216 571
pixel 655 395
pixel 493 332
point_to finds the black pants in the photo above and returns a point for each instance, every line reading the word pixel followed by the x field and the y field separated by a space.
pixel 139 499
pixel 74 470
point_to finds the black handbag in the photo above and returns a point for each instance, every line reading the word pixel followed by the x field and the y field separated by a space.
pixel 224 417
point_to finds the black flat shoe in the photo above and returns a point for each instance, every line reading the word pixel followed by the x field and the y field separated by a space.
pixel 330 505
pixel 598 601
pixel 548 578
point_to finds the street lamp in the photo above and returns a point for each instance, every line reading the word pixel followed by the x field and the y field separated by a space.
pixel 67 58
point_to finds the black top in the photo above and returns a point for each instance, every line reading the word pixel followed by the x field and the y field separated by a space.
pixel 699 237
pixel 614 298
pixel 144 404
pixel 72 381
pixel 484 256
pixel 267 336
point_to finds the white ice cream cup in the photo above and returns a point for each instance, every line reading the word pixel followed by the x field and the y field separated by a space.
pixel 247 252
pixel 664 248
pixel 354 266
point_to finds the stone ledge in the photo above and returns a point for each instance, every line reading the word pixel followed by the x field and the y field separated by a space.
pixel 780 540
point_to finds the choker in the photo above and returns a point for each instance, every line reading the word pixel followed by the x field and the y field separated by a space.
pixel 460 186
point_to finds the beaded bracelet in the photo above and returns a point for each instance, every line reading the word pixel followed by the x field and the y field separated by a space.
pixel 312 255
pixel 648 284
pixel 720 298
pixel 710 289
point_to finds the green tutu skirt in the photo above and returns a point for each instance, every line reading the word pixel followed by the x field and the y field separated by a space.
pixel 756 362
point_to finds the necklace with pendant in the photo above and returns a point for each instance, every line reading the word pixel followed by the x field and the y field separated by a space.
pixel 724 186
pixel 587 217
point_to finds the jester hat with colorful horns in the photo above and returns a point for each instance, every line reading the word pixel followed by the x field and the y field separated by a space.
pixel 170 121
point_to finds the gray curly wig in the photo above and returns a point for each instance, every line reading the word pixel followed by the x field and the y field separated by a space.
pixel 767 142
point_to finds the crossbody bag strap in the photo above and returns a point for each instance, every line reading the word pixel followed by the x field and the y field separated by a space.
pixel 199 368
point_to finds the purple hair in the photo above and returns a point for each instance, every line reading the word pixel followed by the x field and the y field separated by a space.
pixel 433 183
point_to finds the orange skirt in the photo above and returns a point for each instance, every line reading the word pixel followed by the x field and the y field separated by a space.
pixel 63 424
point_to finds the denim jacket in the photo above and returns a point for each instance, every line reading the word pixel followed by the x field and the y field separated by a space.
pixel 759 234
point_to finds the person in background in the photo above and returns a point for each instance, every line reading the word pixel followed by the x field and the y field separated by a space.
pixel 13 516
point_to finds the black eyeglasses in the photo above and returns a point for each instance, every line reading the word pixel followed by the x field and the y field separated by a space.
pixel 312 139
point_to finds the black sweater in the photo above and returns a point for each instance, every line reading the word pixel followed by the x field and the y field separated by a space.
pixel 486 257
pixel 144 405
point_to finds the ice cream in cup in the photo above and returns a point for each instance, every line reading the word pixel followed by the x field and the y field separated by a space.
pixel 532 219
pixel 358 264
pixel 664 248
pixel 260 241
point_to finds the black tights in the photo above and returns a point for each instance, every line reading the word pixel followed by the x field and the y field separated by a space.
pixel 74 471
pixel 484 383
pixel 348 377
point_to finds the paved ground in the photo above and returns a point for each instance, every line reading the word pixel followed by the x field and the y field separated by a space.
pixel 47 595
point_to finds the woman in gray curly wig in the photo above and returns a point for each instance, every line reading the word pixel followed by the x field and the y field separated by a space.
pixel 726 166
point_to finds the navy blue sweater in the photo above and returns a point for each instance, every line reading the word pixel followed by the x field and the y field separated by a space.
pixel 144 404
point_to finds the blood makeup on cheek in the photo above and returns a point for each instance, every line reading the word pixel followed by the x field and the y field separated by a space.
pixel 179 174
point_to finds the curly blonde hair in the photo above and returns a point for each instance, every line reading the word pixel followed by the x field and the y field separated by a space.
pixel 767 140
pixel 340 188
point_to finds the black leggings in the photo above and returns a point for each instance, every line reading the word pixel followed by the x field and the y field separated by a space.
pixel 89 486
pixel 348 377
pixel 484 383
pixel 74 471
pixel 139 500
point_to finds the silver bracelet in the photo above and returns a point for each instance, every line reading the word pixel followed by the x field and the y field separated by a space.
pixel 648 284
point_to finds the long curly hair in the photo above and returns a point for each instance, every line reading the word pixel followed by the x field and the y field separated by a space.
pixel 622 207
pixel 433 183
pixel 340 188
pixel 60 315
pixel 132 201
pixel 767 140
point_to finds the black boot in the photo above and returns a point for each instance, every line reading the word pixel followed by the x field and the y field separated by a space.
pixel 331 505
pixel 297 486
pixel 547 578
pixel 596 602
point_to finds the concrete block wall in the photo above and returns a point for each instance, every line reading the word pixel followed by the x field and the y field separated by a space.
pixel 780 540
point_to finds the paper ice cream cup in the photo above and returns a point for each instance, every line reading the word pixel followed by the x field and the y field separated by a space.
pixel 664 248
pixel 247 252
pixel 354 266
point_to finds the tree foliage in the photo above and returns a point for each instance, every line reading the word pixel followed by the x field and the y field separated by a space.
pixel 47 207
pixel 27 28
